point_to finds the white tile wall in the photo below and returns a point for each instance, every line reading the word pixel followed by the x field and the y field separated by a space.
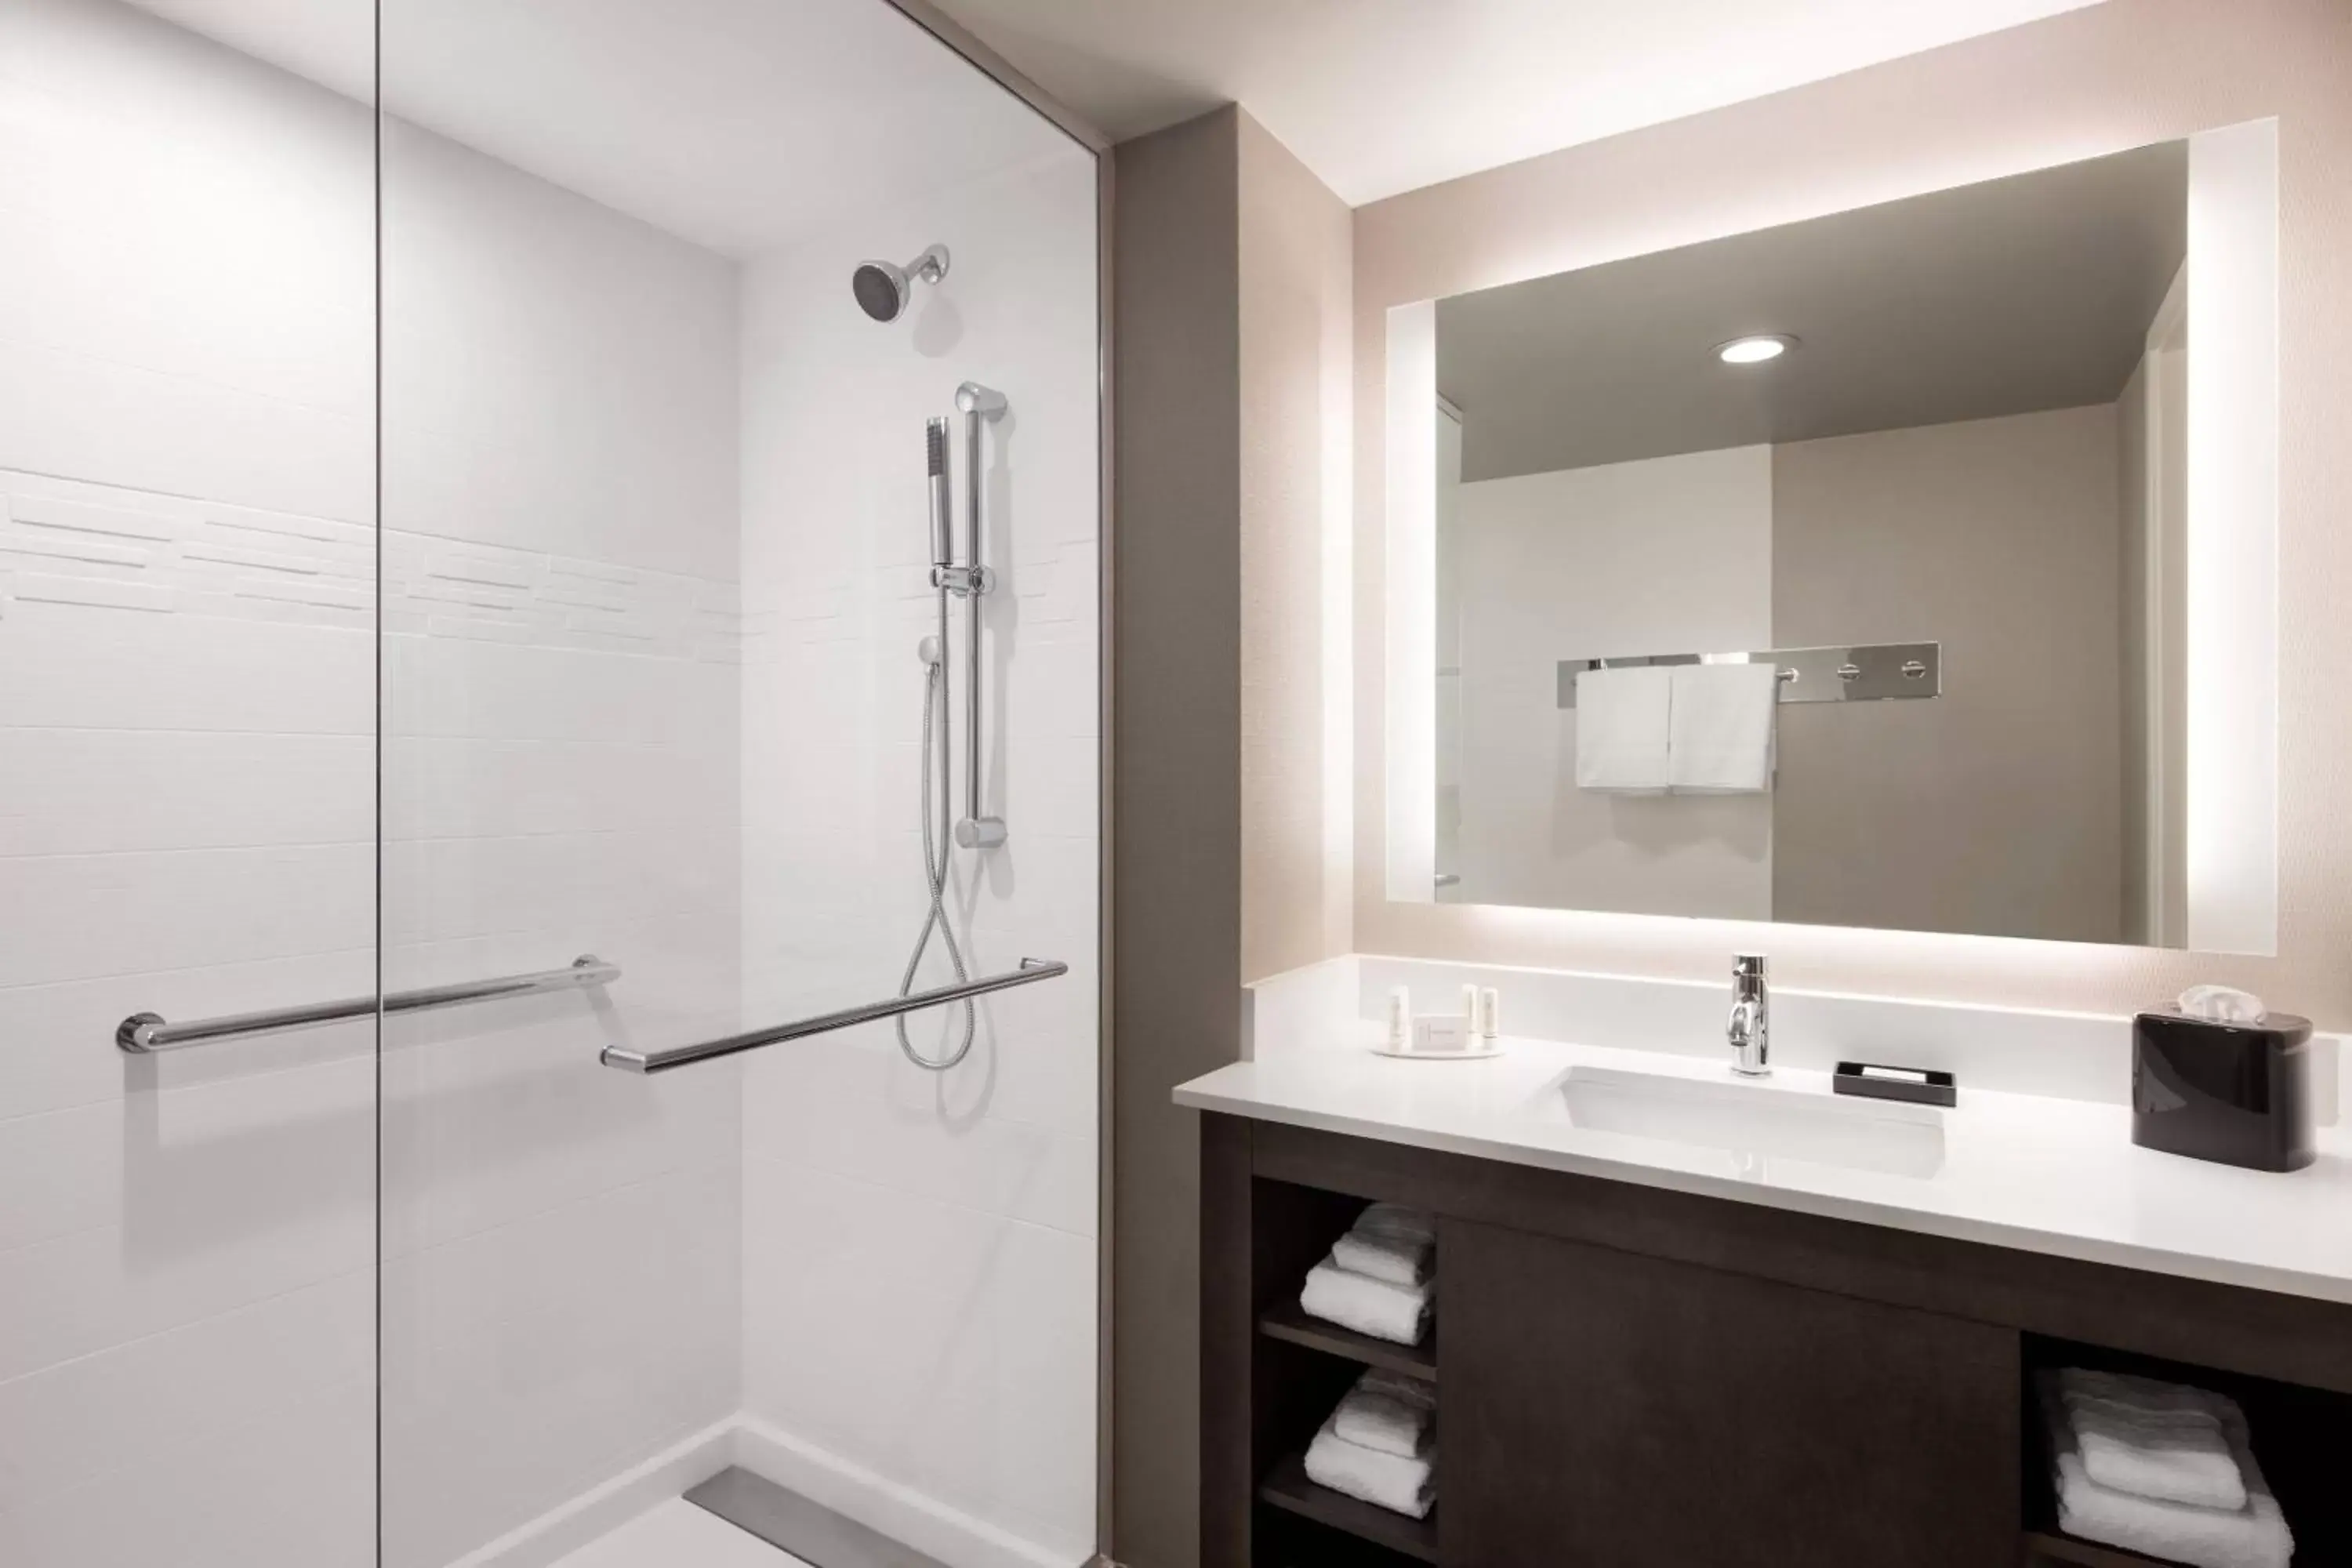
pixel 919 1273
pixel 205 267
pixel 525 1364
pixel 187 1289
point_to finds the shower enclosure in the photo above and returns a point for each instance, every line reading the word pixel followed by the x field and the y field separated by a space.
pixel 498 667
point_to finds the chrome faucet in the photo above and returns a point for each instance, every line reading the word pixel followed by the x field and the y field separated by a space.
pixel 1750 1030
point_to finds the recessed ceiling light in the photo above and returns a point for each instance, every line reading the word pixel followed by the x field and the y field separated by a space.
pixel 1754 350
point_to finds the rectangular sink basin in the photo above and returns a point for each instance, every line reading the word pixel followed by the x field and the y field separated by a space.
pixel 1754 1122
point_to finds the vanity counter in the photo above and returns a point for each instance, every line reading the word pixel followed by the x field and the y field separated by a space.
pixel 2039 1175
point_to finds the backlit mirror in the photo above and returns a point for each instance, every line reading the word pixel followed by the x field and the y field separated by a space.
pixel 1910 567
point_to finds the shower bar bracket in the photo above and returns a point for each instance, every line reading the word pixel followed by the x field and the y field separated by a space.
pixel 1032 970
pixel 963 582
pixel 145 1034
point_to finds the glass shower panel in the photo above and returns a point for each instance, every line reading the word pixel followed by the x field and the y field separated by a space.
pixel 560 1242
pixel 187 713
pixel 658 560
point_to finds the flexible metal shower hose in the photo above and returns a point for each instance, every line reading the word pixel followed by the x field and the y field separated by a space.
pixel 935 859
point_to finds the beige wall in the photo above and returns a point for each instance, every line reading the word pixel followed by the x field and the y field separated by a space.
pixel 1175 793
pixel 1232 276
pixel 1297 375
pixel 2098 80
pixel 1996 807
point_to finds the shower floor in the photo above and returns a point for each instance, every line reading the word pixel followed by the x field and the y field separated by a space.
pixel 677 1534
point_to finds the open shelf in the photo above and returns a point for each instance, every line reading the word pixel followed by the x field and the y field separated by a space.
pixel 1289 1488
pixel 2296 1435
pixel 1289 1323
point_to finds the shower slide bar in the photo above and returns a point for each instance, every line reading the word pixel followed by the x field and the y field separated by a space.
pixel 1030 970
pixel 144 1033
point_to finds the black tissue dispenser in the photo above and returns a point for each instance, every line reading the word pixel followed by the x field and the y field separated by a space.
pixel 2238 1092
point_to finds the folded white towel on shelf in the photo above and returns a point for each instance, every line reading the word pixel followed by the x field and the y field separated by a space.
pixel 2154 1439
pixel 1391 1482
pixel 1721 727
pixel 1389 1242
pixel 1374 1307
pixel 1389 1411
pixel 2254 1536
pixel 1622 729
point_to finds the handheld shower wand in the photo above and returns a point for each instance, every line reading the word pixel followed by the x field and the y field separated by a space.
pixel 935 452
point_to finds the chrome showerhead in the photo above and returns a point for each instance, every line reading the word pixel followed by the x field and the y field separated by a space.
pixel 883 288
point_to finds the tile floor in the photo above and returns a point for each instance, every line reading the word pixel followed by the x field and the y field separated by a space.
pixel 676 1534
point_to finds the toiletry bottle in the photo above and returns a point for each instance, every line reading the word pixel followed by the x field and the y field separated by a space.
pixel 1490 1013
pixel 1399 1030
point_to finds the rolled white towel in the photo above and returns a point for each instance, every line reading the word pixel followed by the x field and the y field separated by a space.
pixel 1369 1306
pixel 1389 1411
pixel 2153 1439
pixel 1389 1242
pixel 2255 1536
pixel 1391 1482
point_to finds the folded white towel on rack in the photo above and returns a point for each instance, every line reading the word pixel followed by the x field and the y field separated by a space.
pixel 1622 728
pixel 1721 724
pixel 1389 1411
pixel 2154 1439
pixel 1391 1482
pixel 1389 1242
pixel 2254 1536
pixel 1376 1307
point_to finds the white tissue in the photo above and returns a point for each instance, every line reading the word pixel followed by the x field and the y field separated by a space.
pixel 2221 1005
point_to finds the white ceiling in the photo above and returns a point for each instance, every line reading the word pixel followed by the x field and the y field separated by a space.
pixel 1383 96
pixel 2009 296
pixel 736 124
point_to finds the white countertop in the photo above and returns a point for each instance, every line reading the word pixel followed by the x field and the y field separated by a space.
pixel 2059 1176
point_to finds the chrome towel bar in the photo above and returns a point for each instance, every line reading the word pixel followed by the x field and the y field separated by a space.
pixel 143 1034
pixel 1030 970
pixel 1855 672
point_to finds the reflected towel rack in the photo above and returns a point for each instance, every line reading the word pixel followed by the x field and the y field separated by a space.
pixel 1861 672
pixel 1030 970
pixel 144 1033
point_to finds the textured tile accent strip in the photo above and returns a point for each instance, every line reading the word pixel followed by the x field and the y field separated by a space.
pixel 68 542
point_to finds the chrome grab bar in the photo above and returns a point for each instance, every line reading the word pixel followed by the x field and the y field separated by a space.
pixel 1030 970
pixel 143 1034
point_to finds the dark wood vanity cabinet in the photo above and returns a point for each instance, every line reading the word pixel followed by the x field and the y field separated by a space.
pixel 1603 1407
pixel 1629 1377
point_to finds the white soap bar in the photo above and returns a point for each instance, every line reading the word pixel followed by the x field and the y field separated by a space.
pixel 1903 1075
pixel 1441 1035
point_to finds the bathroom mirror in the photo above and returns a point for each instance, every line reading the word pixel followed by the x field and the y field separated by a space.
pixel 1910 567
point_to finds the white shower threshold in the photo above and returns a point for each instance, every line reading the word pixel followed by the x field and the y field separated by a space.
pixel 679 1534
pixel 924 1527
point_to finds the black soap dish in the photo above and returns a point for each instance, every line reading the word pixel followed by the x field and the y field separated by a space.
pixel 1919 1085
